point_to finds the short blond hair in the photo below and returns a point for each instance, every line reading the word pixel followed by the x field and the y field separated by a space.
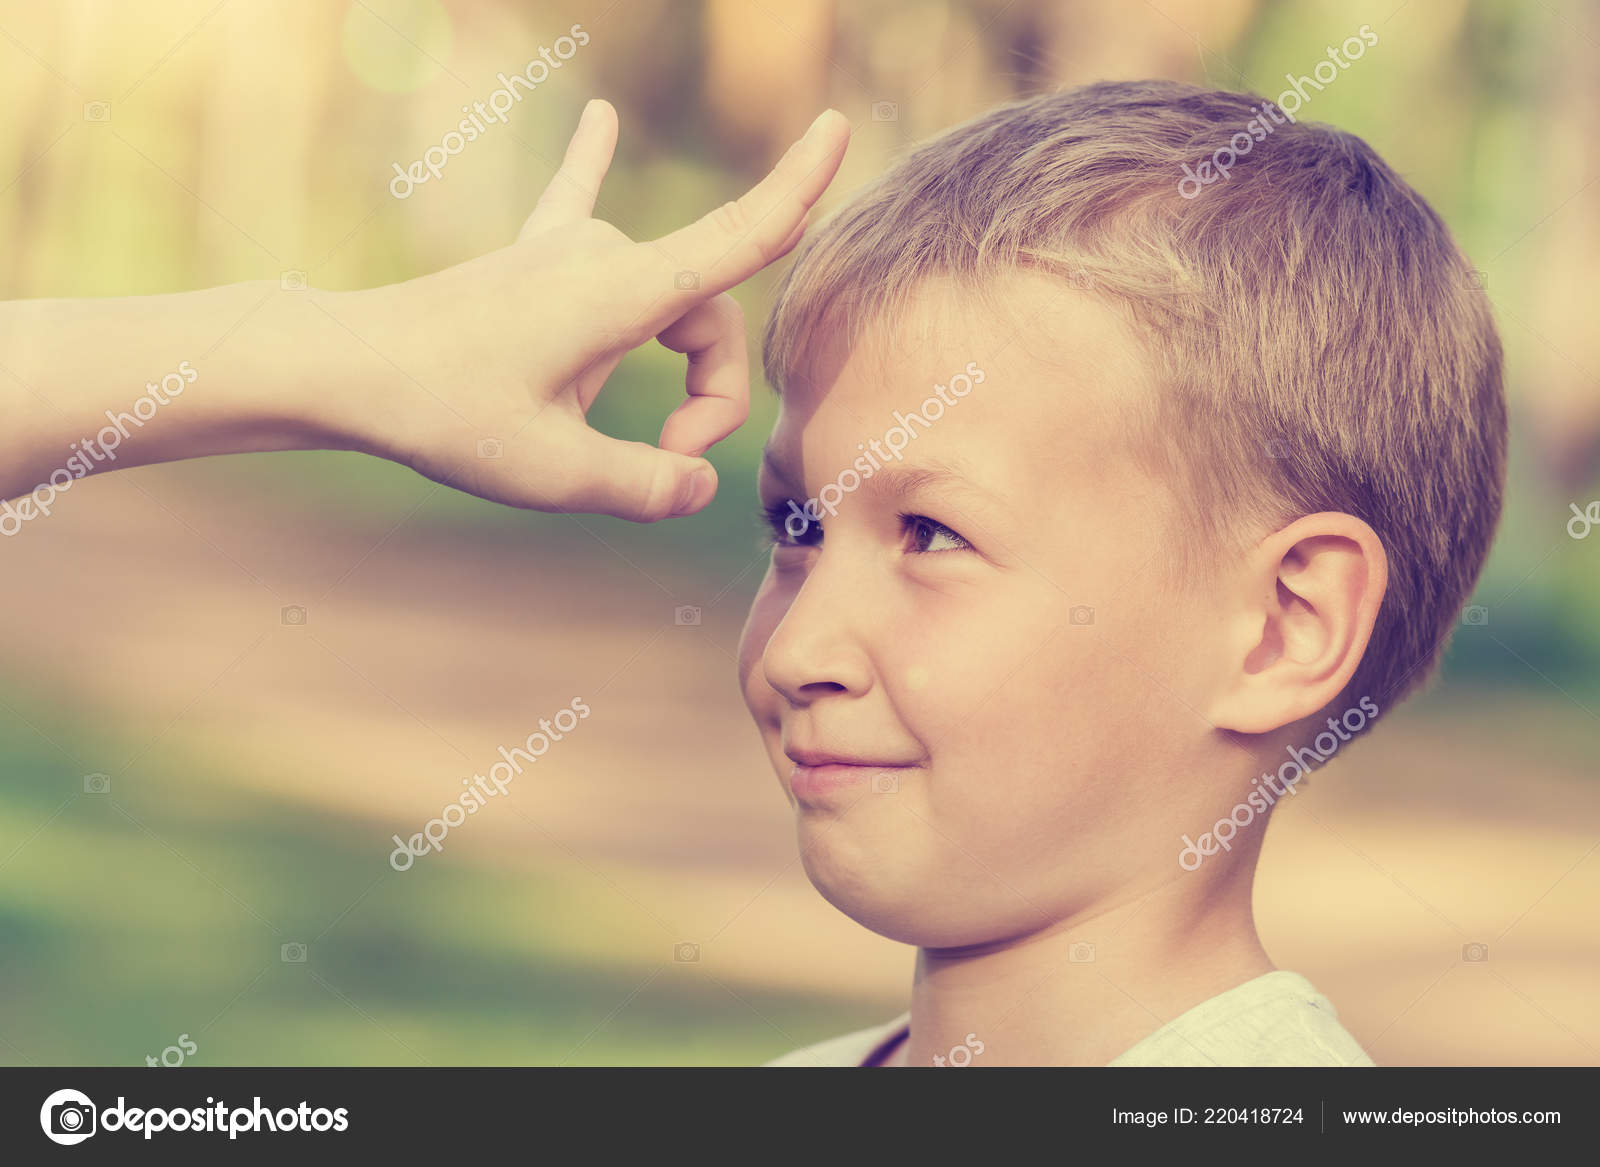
pixel 1321 341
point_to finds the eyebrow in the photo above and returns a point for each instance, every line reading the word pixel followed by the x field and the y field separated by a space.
pixel 896 481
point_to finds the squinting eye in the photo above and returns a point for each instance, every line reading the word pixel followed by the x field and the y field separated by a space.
pixel 929 537
pixel 789 526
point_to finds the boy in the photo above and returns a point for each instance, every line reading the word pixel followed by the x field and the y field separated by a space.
pixel 1103 508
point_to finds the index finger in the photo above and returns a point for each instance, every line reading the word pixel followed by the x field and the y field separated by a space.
pixel 738 239
pixel 571 194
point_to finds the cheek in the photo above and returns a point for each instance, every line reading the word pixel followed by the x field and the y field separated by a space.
pixel 954 663
pixel 1025 711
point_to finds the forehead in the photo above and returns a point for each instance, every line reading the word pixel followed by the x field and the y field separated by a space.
pixel 1057 376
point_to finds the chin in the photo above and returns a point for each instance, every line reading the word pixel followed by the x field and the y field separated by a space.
pixel 884 891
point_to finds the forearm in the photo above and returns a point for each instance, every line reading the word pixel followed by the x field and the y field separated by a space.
pixel 93 385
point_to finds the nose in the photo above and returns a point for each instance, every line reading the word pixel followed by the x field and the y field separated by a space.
pixel 818 649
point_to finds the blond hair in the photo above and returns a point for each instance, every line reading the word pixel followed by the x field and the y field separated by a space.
pixel 1320 339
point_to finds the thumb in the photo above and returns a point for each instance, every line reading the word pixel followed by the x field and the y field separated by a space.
pixel 635 480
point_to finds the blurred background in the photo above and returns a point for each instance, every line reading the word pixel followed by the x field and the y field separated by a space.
pixel 198 787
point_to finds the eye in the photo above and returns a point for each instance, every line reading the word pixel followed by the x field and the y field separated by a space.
pixel 788 525
pixel 929 537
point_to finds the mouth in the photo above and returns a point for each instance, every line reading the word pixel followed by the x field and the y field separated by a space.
pixel 817 775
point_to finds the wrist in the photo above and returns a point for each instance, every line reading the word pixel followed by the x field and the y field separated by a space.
pixel 357 392
pixel 326 383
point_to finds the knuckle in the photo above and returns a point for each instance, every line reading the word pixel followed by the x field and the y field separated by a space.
pixel 598 232
pixel 733 218
pixel 661 500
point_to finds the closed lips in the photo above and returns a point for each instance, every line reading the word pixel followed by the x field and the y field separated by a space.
pixel 813 758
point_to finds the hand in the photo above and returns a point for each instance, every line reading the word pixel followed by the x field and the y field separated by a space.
pixel 514 346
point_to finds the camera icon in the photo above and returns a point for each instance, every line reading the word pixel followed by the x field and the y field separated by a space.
pixel 1081 953
pixel 1475 614
pixel 294 616
pixel 96 111
pixel 686 281
pixel 1276 448
pixel 68 1117
pixel 885 111
pixel 885 783
pixel 292 281
pixel 97 784
pixel 1474 953
pixel 1478 279
pixel 686 615
pixel 293 952
pixel 686 953
pixel 1080 614
pixel 489 448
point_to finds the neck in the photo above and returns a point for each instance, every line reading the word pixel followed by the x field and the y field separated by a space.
pixel 1047 998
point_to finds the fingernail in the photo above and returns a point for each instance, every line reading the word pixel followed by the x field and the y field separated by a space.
pixel 697 491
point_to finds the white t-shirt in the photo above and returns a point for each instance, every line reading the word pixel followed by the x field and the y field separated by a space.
pixel 1277 1019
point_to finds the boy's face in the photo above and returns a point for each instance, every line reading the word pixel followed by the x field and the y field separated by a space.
pixel 983 625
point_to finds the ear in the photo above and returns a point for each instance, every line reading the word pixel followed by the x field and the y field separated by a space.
pixel 1297 621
